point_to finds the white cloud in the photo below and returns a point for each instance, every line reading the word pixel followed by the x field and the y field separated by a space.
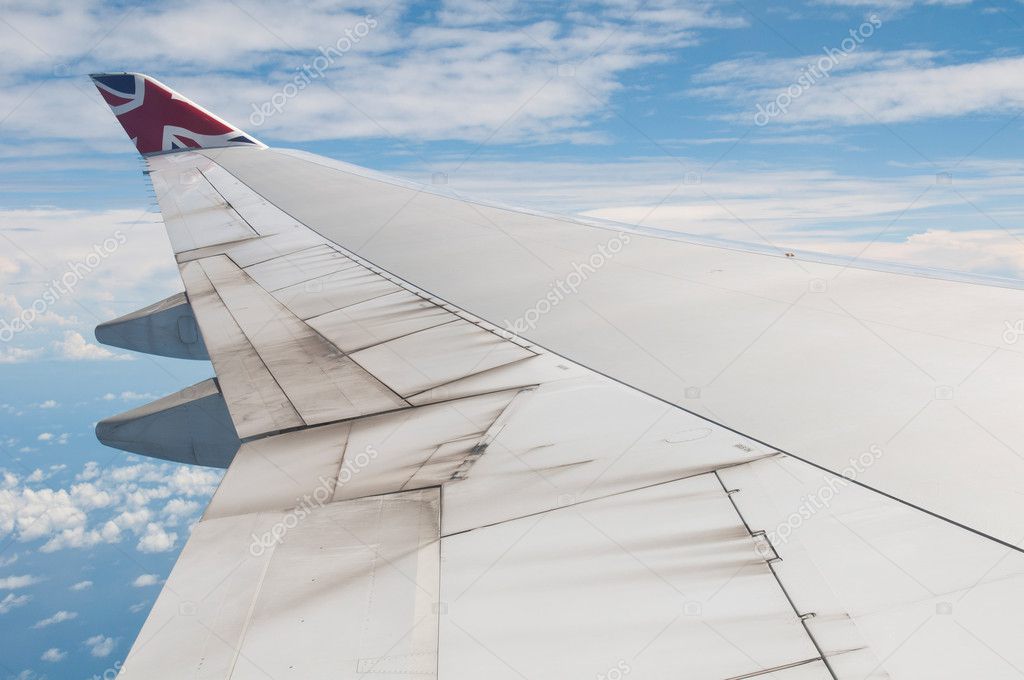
pixel 53 655
pixel 45 436
pixel 80 537
pixel 112 506
pixel 497 66
pixel 112 503
pixel 156 539
pixel 39 475
pixel 17 582
pixel 137 259
pixel 870 87
pixel 12 601
pixel 129 395
pixel 76 348
pixel 100 646
pixel 138 607
pixel 81 585
pixel 178 508
pixel 893 4
pixel 18 355
pixel 809 209
pixel 133 520
pixel 146 580
pixel 91 470
pixel 49 403
pixel 59 617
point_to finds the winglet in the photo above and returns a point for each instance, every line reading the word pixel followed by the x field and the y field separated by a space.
pixel 158 119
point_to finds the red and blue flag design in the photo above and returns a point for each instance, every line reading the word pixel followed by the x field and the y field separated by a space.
pixel 158 119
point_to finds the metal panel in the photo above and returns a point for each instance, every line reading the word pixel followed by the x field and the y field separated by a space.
pixel 378 320
pixel 351 589
pixel 334 291
pixel 366 573
pixel 896 593
pixel 195 214
pixel 438 355
pixel 664 579
pixel 321 383
pixel 298 267
pixel 583 439
pixel 813 670
pixel 282 472
pixel 414 448
pixel 256 401
pixel 418 447
pixel 250 251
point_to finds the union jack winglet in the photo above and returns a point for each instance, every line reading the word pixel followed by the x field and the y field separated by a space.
pixel 158 119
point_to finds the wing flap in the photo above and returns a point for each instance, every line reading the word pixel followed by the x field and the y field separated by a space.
pixel 361 574
pixel 255 400
pixel 691 597
pixel 320 382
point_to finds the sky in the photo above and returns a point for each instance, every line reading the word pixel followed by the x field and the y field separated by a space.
pixel 887 130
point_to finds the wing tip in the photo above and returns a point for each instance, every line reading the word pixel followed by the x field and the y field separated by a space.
pixel 174 123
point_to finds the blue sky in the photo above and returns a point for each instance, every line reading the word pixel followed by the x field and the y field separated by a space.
pixel 904 144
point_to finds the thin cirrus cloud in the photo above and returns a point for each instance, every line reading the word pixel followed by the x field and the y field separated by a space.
pixel 58 617
pixel 868 87
pixel 511 72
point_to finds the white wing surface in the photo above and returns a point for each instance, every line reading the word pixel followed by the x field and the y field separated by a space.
pixel 703 461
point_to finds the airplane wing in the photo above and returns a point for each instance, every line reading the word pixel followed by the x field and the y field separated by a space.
pixel 464 440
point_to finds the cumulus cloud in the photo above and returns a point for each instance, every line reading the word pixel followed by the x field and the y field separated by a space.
pixel 18 355
pixel 129 395
pixel 104 506
pixel 100 646
pixel 51 438
pixel 91 470
pixel 59 617
pixel 18 582
pixel 53 655
pixel 156 539
pixel 39 475
pixel 81 585
pixel 76 348
pixel 12 601
pixel 146 580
